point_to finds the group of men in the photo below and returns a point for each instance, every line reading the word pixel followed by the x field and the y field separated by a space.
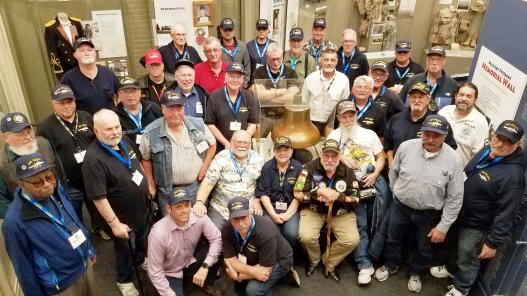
pixel 406 155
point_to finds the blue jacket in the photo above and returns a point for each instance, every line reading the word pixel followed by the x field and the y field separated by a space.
pixel 44 261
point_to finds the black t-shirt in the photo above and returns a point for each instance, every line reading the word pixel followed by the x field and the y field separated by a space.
pixel 389 102
pixel 268 183
pixel 288 73
pixel 105 175
pixel 151 112
pixel 219 113
pixel 66 146
pixel 373 117
pixel 265 245
pixel 155 90
pixel 393 77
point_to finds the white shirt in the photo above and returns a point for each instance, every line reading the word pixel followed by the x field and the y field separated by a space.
pixel 470 132
pixel 322 100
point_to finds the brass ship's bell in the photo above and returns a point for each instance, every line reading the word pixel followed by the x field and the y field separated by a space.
pixel 297 126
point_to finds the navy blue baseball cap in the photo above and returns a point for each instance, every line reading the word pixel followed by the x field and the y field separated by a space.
pixel 171 98
pixel 14 122
pixel 30 165
pixel 435 123
pixel 177 196
pixel 61 92
pixel 238 207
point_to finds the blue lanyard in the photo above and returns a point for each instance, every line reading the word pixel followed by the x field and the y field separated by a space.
pixel 183 55
pixel 363 111
pixel 316 52
pixel 294 62
pixel 480 165
pixel 127 162
pixel 330 183
pixel 244 240
pixel 261 54
pixel 275 81
pixel 432 88
pixel 345 66
pixel 136 119
pixel 239 170
pixel 238 101
pixel 232 52
pixel 399 73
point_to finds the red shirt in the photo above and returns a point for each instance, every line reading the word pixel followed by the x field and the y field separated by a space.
pixel 207 79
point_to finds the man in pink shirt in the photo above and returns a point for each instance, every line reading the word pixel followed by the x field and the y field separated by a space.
pixel 211 73
pixel 176 254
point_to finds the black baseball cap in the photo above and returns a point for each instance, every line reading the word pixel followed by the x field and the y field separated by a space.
pixel 296 34
pixel 227 23
pixel 82 41
pixel 177 196
pixel 172 98
pixel 437 50
pixel 403 45
pixel 61 92
pixel 420 86
pixel 183 62
pixel 30 165
pixel 14 122
pixel 380 65
pixel 235 67
pixel 262 24
pixel 319 22
pixel 435 123
pixel 331 145
pixel 511 130
pixel 238 207
pixel 127 82
pixel 282 142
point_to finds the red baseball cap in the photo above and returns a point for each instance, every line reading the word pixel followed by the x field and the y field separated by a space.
pixel 153 56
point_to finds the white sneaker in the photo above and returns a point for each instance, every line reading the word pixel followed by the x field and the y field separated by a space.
pixel 127 289
pixel 440 272
pixel 365 275
pixel 454 292
pixel 382 273
pixel 144 265
pixel 414 284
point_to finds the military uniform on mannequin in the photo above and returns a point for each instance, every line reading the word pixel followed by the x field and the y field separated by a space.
pixel 60 33
pixel 445 27
pixel 477 11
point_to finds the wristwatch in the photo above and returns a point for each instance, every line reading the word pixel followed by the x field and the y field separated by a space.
pixel 205 265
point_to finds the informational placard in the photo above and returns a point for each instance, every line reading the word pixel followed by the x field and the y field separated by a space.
pixel 500 84
pixel 274 12
pixel 406 8
pixel 110 33
pixel 169 13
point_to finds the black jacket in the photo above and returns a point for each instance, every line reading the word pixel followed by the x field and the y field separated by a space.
pixel 358 65
pixel 445 86
pixel 60 50
pixel 151 112
pixel 202 93
pixel 393 79
pixel 491 197
pixel 168 53
pixel 145 92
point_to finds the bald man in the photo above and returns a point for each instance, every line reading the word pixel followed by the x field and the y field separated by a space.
pixel 178 49
pixel 115 182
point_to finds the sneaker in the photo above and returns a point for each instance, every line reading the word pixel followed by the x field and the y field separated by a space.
pixel 440 272
pixel 144 265
pixel 365 275
pixel 454 292
pixel 104 235
pixel 127 289
pixel 414 283
pixel 383 273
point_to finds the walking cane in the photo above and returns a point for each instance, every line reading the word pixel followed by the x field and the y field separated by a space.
pixel 328 235
pixel 135 268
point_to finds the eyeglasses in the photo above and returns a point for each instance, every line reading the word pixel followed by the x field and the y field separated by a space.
pixel 244 143
pixel 378 75
pixel 362 87
pixel 23 133
pixel 348 41
pixel 180 34
pixel 49 178
pixel 274 60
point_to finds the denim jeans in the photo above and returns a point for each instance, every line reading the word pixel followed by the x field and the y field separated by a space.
pixel 77 198
pixel 258 288
pixel 126 260
pixel 363 212
pixel 289 229
pixel 402 220
pixel 191 190
pixel 178 285
pixel 468 263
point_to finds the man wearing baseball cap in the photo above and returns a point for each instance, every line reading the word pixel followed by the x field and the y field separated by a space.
pixel 426 179
pixel 387 99
pixel 441 85
pixel 493 186
pixel 94 85
pixel 49 247
pixel 156 81
pixel 402 67
pixel 134 114
pixel 327 180
pixel 19 138
pixel 234 50
pixel 258 46
pixel 176 256
pixel 317 44
pixel 178 49
pixel 257 256
pixel 296 58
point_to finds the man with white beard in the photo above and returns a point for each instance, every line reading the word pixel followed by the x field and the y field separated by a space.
pixel 94 85
pixel 361 150
pixel 20 140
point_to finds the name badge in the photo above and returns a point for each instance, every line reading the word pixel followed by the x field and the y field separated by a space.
pixel 235 126
pixel 282 206
pixel 138 139
pixel 77 239
pixel 464 177
pixel 241 186
pixel 199 108
pixel 79 156
pixel 202 146
pixel 259 65
pixel 399 86
pixel 242 258
pixel 137 177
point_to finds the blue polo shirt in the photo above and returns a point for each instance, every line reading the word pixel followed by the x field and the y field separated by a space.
pixel 268 184
pixel 92 95
pixel 191 103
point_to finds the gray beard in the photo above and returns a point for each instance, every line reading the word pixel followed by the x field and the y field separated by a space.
pixel 349 132
pixel 25 149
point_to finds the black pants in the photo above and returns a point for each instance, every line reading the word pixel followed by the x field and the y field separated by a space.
pixel 126 259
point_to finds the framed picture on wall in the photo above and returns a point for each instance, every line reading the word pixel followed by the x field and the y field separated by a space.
pixel 204 13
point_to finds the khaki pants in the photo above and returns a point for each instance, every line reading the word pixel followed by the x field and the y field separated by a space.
pixel 84 285
pixel 344 227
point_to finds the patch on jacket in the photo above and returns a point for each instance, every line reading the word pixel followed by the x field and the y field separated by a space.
pixel 483 175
